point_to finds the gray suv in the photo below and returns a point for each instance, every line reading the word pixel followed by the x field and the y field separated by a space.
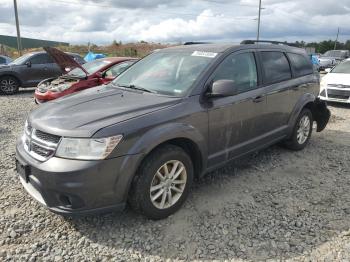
pixel 170 118
pixel 28 70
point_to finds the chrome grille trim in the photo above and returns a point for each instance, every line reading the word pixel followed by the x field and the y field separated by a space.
pixel 38 147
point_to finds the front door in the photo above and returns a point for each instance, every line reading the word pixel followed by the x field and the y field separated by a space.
pixel 40 68
pixel 235 124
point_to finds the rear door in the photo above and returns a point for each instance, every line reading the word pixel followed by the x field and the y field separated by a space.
pixel 277 82
pixel 304 80
pixel 235 122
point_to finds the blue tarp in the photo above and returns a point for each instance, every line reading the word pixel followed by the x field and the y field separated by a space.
pixel 92 56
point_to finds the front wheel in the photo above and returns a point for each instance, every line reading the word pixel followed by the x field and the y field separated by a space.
pixel 162 183
pixel 302 131
pixel 9 85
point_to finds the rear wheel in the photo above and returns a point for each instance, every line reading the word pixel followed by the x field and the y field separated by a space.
pixel 162 183
pixel 302 131
pixel 9 85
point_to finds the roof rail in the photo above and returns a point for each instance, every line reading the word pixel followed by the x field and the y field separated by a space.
pixel 250 42
pixel 196 43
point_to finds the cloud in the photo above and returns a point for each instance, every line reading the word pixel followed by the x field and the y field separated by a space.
pixel 101 22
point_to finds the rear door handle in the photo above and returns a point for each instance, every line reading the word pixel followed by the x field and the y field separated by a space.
pixel 258 99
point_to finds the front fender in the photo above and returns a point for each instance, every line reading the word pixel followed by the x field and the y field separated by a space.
pixel 160 134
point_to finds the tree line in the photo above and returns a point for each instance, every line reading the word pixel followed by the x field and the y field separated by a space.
pixel 324 46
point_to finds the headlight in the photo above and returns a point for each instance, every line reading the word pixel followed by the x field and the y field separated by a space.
pixel 87 148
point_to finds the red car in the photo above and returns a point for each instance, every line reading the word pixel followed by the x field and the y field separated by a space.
pixel 79 77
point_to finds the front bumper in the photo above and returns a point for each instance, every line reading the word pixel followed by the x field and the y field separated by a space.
pixel 47 96
pixel 75 187
pixel 341 95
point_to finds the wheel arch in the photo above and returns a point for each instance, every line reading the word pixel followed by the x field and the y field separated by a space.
pixel 12 75
pixel 318 108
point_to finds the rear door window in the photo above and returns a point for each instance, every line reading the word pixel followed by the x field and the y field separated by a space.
pixel 301 65
pixel 241 68
pixel 2 60
pixel 275 67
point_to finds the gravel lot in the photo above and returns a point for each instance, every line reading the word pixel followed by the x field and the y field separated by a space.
pixel 275 204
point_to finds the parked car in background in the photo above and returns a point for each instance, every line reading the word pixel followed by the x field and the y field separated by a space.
pixel 335 86
pixel 175 115
pixel 332 58
pixel 79 77
pixel 4 60
pixel 28 70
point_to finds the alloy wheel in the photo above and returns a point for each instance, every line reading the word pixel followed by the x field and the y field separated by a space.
pixel 168 184
pixel 8 85
pixel 303 131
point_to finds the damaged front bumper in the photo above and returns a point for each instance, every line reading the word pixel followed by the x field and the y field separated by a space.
pixel 321 114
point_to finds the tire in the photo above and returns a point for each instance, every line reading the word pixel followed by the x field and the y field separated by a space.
pixel 9 85
pixel 148 184
pixel 301 131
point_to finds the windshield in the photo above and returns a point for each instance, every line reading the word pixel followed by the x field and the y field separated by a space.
pixel 334 53
pixel 20 60
pixel 166 73
pixel 90 67
pixel 342 68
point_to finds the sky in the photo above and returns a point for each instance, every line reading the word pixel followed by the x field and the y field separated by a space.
pixel 166 21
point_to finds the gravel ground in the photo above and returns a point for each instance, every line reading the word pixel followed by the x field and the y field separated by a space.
pixel 275 204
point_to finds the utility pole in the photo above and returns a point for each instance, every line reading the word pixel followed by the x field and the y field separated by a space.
pixel 19 43
pixel 335 44
pixel 258 35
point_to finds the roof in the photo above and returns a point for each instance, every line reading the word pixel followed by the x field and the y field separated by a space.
pixel 221 48
pixel 215 48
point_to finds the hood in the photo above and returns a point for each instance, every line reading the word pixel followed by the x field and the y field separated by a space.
pixel 337 79
pixel 63 60
pixel 84 113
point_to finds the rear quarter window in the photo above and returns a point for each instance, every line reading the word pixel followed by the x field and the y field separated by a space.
pixel 300 64
pixel 275 67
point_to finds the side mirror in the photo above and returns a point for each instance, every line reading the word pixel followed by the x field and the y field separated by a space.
pixel 223 88
pixel 28 64
pixel 328 70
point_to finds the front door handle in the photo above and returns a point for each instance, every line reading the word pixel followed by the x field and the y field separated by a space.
pixel 258 99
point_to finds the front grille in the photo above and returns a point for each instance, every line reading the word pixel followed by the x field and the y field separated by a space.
pixel 38 144
pixel 41 151
pixel 338 94
pixel 339 97
pixel 338 86
pixel 47 137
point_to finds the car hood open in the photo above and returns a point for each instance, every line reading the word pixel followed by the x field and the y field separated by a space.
pixel 63 60
pixel 84 113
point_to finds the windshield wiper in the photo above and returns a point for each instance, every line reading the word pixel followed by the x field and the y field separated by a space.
pixel 137 88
